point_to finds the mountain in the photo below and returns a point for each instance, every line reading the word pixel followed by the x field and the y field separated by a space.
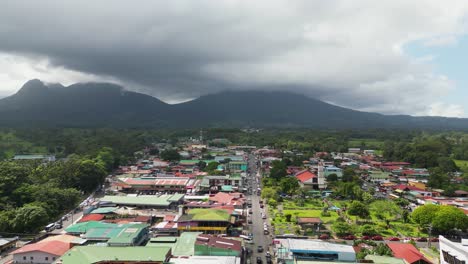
pixel 103 105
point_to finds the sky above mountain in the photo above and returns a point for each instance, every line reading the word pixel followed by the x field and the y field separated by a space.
pixel 392 57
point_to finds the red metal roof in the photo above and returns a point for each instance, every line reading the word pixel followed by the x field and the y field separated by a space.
pixel 92 217
pixel 408 252
pixel 305 175
pixel 57 248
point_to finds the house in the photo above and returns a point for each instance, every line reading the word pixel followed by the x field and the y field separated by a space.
pixel 40 253
pixel 408 252
pixel 309 222
pixel 120 235
pixel 115 255
pixel 307 178
pixel 452 252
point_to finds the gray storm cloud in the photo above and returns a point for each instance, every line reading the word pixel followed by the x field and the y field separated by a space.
pixel 349 53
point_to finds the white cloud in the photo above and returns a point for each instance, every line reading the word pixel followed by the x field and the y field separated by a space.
pixel 444 109
pixel 441 41
pixel 16 70
pixel 350 53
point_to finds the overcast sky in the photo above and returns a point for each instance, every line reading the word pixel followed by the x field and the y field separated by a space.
pixel 395 56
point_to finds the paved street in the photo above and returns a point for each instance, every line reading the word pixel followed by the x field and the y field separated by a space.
pixel 256 228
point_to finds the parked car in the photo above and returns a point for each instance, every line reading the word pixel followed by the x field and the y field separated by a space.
pixel 365 237
pixel 259 260
pixel 324 236
pixel 394 239
pixel 377 238
pixel 259 249
pixel 421 239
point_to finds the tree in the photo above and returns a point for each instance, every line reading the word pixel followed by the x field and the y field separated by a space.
pixel 385 210
pixel 90 175
pixel 348 175
pixel 278 170
pixel 367 198
pixel 289 185
pixel 438 178
pixel 342 228
pixel 447 164
pixel 154 151
pixel 332 178
pixel 29 218
pixel 448 218
pixel 269 193
pixel 170 155
pixel 423 215
pixel 358 209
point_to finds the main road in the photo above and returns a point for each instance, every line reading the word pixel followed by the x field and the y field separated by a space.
pixel 257 226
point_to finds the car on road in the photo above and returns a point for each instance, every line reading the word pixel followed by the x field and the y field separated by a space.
pixel 324 236
pixel 260 249
pixel 394 239
pixel 259 260
pixel 250 235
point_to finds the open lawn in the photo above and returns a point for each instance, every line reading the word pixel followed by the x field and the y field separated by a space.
pixel 462 164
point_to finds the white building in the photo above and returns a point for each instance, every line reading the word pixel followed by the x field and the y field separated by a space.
pixel 40 253
pixel 308 249
pixel 452 252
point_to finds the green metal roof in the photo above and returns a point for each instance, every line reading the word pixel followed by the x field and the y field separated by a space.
pixel 384 259
pixel 128 235
pixel 226 188
pixel 81 228
pixel 176 197
pixel 186 244
pixel 203 214
pixel 95 254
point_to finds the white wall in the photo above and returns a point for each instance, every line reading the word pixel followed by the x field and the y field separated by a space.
pixel 39 257
pixel 455 249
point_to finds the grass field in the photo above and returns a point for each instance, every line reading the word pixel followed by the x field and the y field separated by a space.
pixel 462 164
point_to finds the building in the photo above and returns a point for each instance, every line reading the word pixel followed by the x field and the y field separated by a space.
pixel 208 245
pixel 209 221
pixel 309 222
pixel 7 243
pixel 155 184
pixel 307 179
pixel 452 252
pixel 40 253
pixel 327 170
pixel 45 158
pixel 115 255
pixel 306 249
pixel 206 260
pixel 408 252
pixel 215 183
pixel 165 201
pixel 118 235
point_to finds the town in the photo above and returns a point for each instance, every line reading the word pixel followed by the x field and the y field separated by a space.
pixel 215 201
